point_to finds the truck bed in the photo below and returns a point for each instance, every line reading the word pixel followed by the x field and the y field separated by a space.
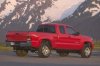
pixel 17 36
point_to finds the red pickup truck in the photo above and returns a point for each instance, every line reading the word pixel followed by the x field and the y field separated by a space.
pixel 59 37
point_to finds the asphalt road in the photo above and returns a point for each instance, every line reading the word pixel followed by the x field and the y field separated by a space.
pixel 10 59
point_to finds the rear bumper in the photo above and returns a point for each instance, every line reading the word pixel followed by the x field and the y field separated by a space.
pixel 18 44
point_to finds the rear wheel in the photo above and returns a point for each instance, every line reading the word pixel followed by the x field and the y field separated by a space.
pixel 62 53
pixel 86 51
pixel 21 53
pixel 45 49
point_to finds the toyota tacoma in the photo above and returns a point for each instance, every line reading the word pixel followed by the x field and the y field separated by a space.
pixel 59 37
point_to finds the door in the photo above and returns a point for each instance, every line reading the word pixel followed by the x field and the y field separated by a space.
pixel 73 39
pixel 68 38
pixel 61 42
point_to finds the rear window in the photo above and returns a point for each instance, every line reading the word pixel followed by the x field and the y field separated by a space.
pixel 46 28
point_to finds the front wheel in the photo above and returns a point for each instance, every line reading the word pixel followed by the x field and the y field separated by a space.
pixel 21 53
pixel 86 51
pixel 45 49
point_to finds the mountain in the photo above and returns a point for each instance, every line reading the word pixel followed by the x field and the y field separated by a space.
pixel 25 15
pixel 86 18
pixel 18 14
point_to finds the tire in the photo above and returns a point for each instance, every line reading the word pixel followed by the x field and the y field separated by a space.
pixel 86 51
pixel 45 50
pixel 21 53
pixel 62 53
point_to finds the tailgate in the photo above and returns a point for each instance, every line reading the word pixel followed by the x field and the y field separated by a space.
pixel 17 36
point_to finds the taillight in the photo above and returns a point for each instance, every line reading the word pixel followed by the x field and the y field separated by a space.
pixel 28 38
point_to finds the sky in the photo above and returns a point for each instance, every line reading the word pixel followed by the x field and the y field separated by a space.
pixel 1 2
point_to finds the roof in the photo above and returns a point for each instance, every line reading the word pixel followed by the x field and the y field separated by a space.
pixel 56 24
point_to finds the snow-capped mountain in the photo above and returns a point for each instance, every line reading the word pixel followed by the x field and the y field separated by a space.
pixel 25 15
pixel 36 10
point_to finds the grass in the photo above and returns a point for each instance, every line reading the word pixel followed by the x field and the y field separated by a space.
pixel 4 48
pixel 97 45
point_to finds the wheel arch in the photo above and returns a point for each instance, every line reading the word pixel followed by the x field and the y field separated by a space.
pixel 87 43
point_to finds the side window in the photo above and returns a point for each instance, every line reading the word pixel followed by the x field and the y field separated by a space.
pixel 40 28
pixel 52 29
pixel 46 28
pixel 49 29
pixel 70 30
pixel 62 30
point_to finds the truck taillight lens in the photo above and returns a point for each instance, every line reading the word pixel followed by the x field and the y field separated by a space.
pixel 28 38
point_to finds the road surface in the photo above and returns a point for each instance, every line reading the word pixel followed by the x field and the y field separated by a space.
pixel 10 59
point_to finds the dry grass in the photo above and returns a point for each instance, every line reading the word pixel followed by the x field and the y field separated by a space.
pixel 4 48
pixel 97 45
